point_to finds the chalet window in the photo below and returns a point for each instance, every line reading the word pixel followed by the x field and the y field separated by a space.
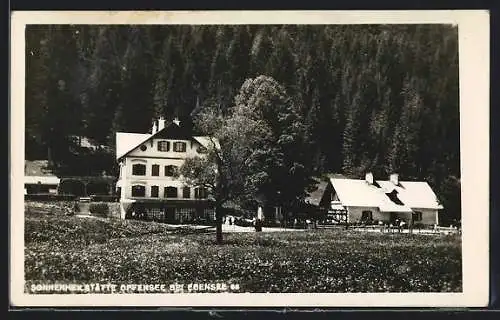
pixel 138 191
pixel 179 146
pixel 186 192
pixel 170 171
pixel 163 146
pixel 155 170
pixel 366 216
pixel 154 191
pixel 118 192
pixel 416 216
pixel 143 148
pixel 170 192
pixel 139 169
pixel 200 193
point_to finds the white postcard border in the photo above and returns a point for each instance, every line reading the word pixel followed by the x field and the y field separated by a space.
pixel 474 125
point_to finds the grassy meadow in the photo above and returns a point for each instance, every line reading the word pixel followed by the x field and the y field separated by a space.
pixel 70 249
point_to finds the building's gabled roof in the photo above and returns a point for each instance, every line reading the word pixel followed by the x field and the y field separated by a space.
pixel 385 195
pixel 126 142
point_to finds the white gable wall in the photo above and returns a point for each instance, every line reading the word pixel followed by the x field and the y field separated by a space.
pixel 152 149
pixel 429 216
pixel 355 213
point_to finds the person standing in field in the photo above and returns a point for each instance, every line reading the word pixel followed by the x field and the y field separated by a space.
pixel 402 224
pixel 381 225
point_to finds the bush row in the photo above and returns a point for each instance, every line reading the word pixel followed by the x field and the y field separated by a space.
pixel 103 198
pixel 67 197
pixel 375 223
pixel 52 207
pixel 49 197
pixel 99 209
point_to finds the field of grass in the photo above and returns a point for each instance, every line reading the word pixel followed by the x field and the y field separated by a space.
pixel 88 250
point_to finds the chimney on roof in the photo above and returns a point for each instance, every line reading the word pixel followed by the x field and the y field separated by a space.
pixel 161 123
pixel 369 178
pixel 155 128
pixel 394 178
pixel 177 121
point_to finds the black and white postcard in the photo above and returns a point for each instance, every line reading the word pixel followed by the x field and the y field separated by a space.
pixel 246 158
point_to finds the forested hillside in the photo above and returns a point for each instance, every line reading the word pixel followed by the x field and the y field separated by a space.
pixel 371 97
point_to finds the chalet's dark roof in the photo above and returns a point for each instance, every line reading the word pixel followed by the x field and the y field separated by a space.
pixel 126 142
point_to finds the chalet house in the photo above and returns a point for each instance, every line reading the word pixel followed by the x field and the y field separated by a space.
pixel 148 184
pixel 357 200
pixel 38 178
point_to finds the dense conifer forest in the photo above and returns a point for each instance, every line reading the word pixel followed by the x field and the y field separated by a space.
pixel 380 98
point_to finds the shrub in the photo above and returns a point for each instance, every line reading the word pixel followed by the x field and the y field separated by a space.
pixel 271 223
pixel 242 222
pixel 419 226
pixel 101 209
pixel 57 208
pixel 103 198
pixel 49 197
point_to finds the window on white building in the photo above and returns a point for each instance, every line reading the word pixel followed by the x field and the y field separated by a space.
pixel 138 169
pixel 366 216
pixel 170 192
pixel 186 192
pixel 154 191
pixel 200 193
pixel 163 146
pixel 155 170
pixel 179 146
pixel 185 214
pixel 170 171
pixel 416 216
pixel 209 214
pixel 138 191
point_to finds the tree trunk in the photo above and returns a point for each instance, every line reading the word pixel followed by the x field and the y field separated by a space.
pixel 218 224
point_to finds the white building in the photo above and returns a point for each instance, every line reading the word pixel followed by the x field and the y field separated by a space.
pixel 383 200
pixel 147 182
pixel 38 178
